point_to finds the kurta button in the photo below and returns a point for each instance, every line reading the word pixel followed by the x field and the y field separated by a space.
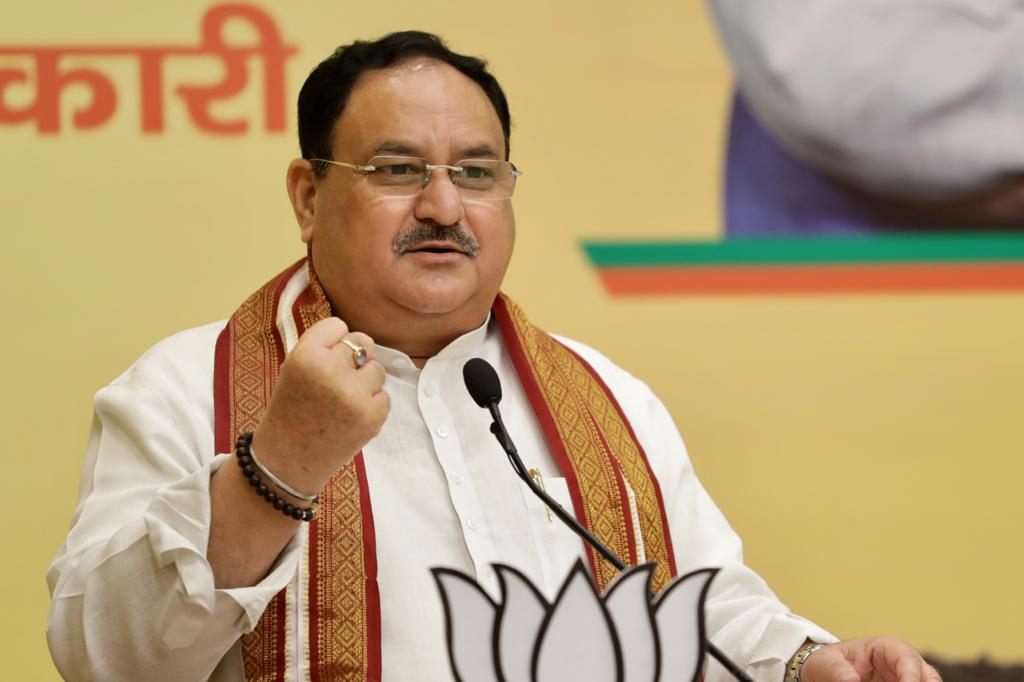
pixel 457 480
pixel 428 391
pixel 441 431
pixel 472 525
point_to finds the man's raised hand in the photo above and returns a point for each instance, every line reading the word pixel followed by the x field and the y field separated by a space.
pixel 324 409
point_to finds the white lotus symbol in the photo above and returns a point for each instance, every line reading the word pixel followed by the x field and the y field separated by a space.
pixel 621 637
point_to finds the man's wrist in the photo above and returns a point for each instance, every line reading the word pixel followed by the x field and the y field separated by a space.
pixel 253 470
pixel 796 664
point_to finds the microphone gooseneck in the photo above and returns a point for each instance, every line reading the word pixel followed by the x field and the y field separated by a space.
pixel 484 387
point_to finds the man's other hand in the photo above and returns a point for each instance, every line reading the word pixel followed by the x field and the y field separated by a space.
pixel 873 659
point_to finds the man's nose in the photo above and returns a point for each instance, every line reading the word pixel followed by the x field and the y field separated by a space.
pixel 439 200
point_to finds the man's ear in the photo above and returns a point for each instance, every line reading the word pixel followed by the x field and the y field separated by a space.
pixel 302 192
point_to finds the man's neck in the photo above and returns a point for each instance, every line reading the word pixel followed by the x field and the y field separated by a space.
pixel 420 336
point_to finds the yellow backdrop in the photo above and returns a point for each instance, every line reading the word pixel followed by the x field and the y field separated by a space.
pixel 868 448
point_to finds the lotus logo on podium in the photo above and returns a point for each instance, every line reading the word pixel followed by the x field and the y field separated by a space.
pixel 624 635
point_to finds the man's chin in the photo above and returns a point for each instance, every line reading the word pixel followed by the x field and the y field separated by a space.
pixel 433 305
pixel 441 298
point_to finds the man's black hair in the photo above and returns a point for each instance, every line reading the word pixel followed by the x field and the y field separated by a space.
pixel 327 89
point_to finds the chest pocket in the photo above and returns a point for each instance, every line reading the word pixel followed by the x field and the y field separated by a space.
pixel 557 546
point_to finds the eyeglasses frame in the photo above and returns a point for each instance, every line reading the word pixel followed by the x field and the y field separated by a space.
pixel 430 168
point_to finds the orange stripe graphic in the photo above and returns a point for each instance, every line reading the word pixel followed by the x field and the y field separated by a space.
pixel 813 278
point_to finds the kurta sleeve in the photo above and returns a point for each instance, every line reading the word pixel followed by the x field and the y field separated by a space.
pixel 132 592
pixel 743 616
pixel 917 100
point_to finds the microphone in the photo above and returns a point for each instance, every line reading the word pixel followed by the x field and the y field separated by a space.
pixel 482 382
pixel 484 387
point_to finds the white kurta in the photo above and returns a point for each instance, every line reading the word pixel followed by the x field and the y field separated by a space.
pixel 133 595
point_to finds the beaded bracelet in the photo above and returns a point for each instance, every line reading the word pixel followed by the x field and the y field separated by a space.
pixel 245 463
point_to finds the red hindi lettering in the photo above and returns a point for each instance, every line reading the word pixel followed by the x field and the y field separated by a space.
pixel 271 50
pixel 50 83
pixel 151 89
pixel 198 99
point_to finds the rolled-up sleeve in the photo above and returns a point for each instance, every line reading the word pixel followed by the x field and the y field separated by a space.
pixel 132 593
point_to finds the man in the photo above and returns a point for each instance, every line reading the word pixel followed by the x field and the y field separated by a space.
pixel 347 369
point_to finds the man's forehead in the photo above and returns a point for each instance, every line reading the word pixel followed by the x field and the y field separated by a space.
pixel 397 109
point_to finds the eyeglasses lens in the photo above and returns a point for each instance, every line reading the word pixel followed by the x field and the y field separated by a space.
pixel 483 179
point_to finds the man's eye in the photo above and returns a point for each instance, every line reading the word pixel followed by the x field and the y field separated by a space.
pixel 476 172
pixel 397 169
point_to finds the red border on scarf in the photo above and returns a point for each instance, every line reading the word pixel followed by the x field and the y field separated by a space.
pixel 373 636
pixel 221 392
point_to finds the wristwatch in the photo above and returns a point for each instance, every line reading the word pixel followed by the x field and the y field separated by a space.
pixel 796 664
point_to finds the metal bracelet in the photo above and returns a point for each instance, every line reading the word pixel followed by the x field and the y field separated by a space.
pixel 277 481
pixel 796 664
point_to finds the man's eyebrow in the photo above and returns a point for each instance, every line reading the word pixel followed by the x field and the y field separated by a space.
pixel 480 151
pixel 394 147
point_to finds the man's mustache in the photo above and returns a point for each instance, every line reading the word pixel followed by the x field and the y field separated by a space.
pixel 432 232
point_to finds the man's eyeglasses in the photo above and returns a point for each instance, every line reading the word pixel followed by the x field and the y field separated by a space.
pixel 483 179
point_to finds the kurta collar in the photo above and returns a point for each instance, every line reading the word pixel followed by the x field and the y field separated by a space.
pixel 401 366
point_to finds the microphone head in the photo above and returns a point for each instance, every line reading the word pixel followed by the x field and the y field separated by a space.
pixel 482 382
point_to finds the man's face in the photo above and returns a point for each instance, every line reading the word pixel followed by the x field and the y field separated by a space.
pixel 426 109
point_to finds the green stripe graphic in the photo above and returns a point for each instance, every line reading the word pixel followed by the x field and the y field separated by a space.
pixel 930 248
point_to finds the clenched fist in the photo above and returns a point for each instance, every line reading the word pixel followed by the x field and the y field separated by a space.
pixel 324 409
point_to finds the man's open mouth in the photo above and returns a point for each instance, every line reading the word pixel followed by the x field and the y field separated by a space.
pixel 435 248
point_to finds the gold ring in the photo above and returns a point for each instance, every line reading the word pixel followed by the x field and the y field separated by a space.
pixel 359 356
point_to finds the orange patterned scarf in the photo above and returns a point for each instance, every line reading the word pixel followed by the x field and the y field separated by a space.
pixel 335 595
